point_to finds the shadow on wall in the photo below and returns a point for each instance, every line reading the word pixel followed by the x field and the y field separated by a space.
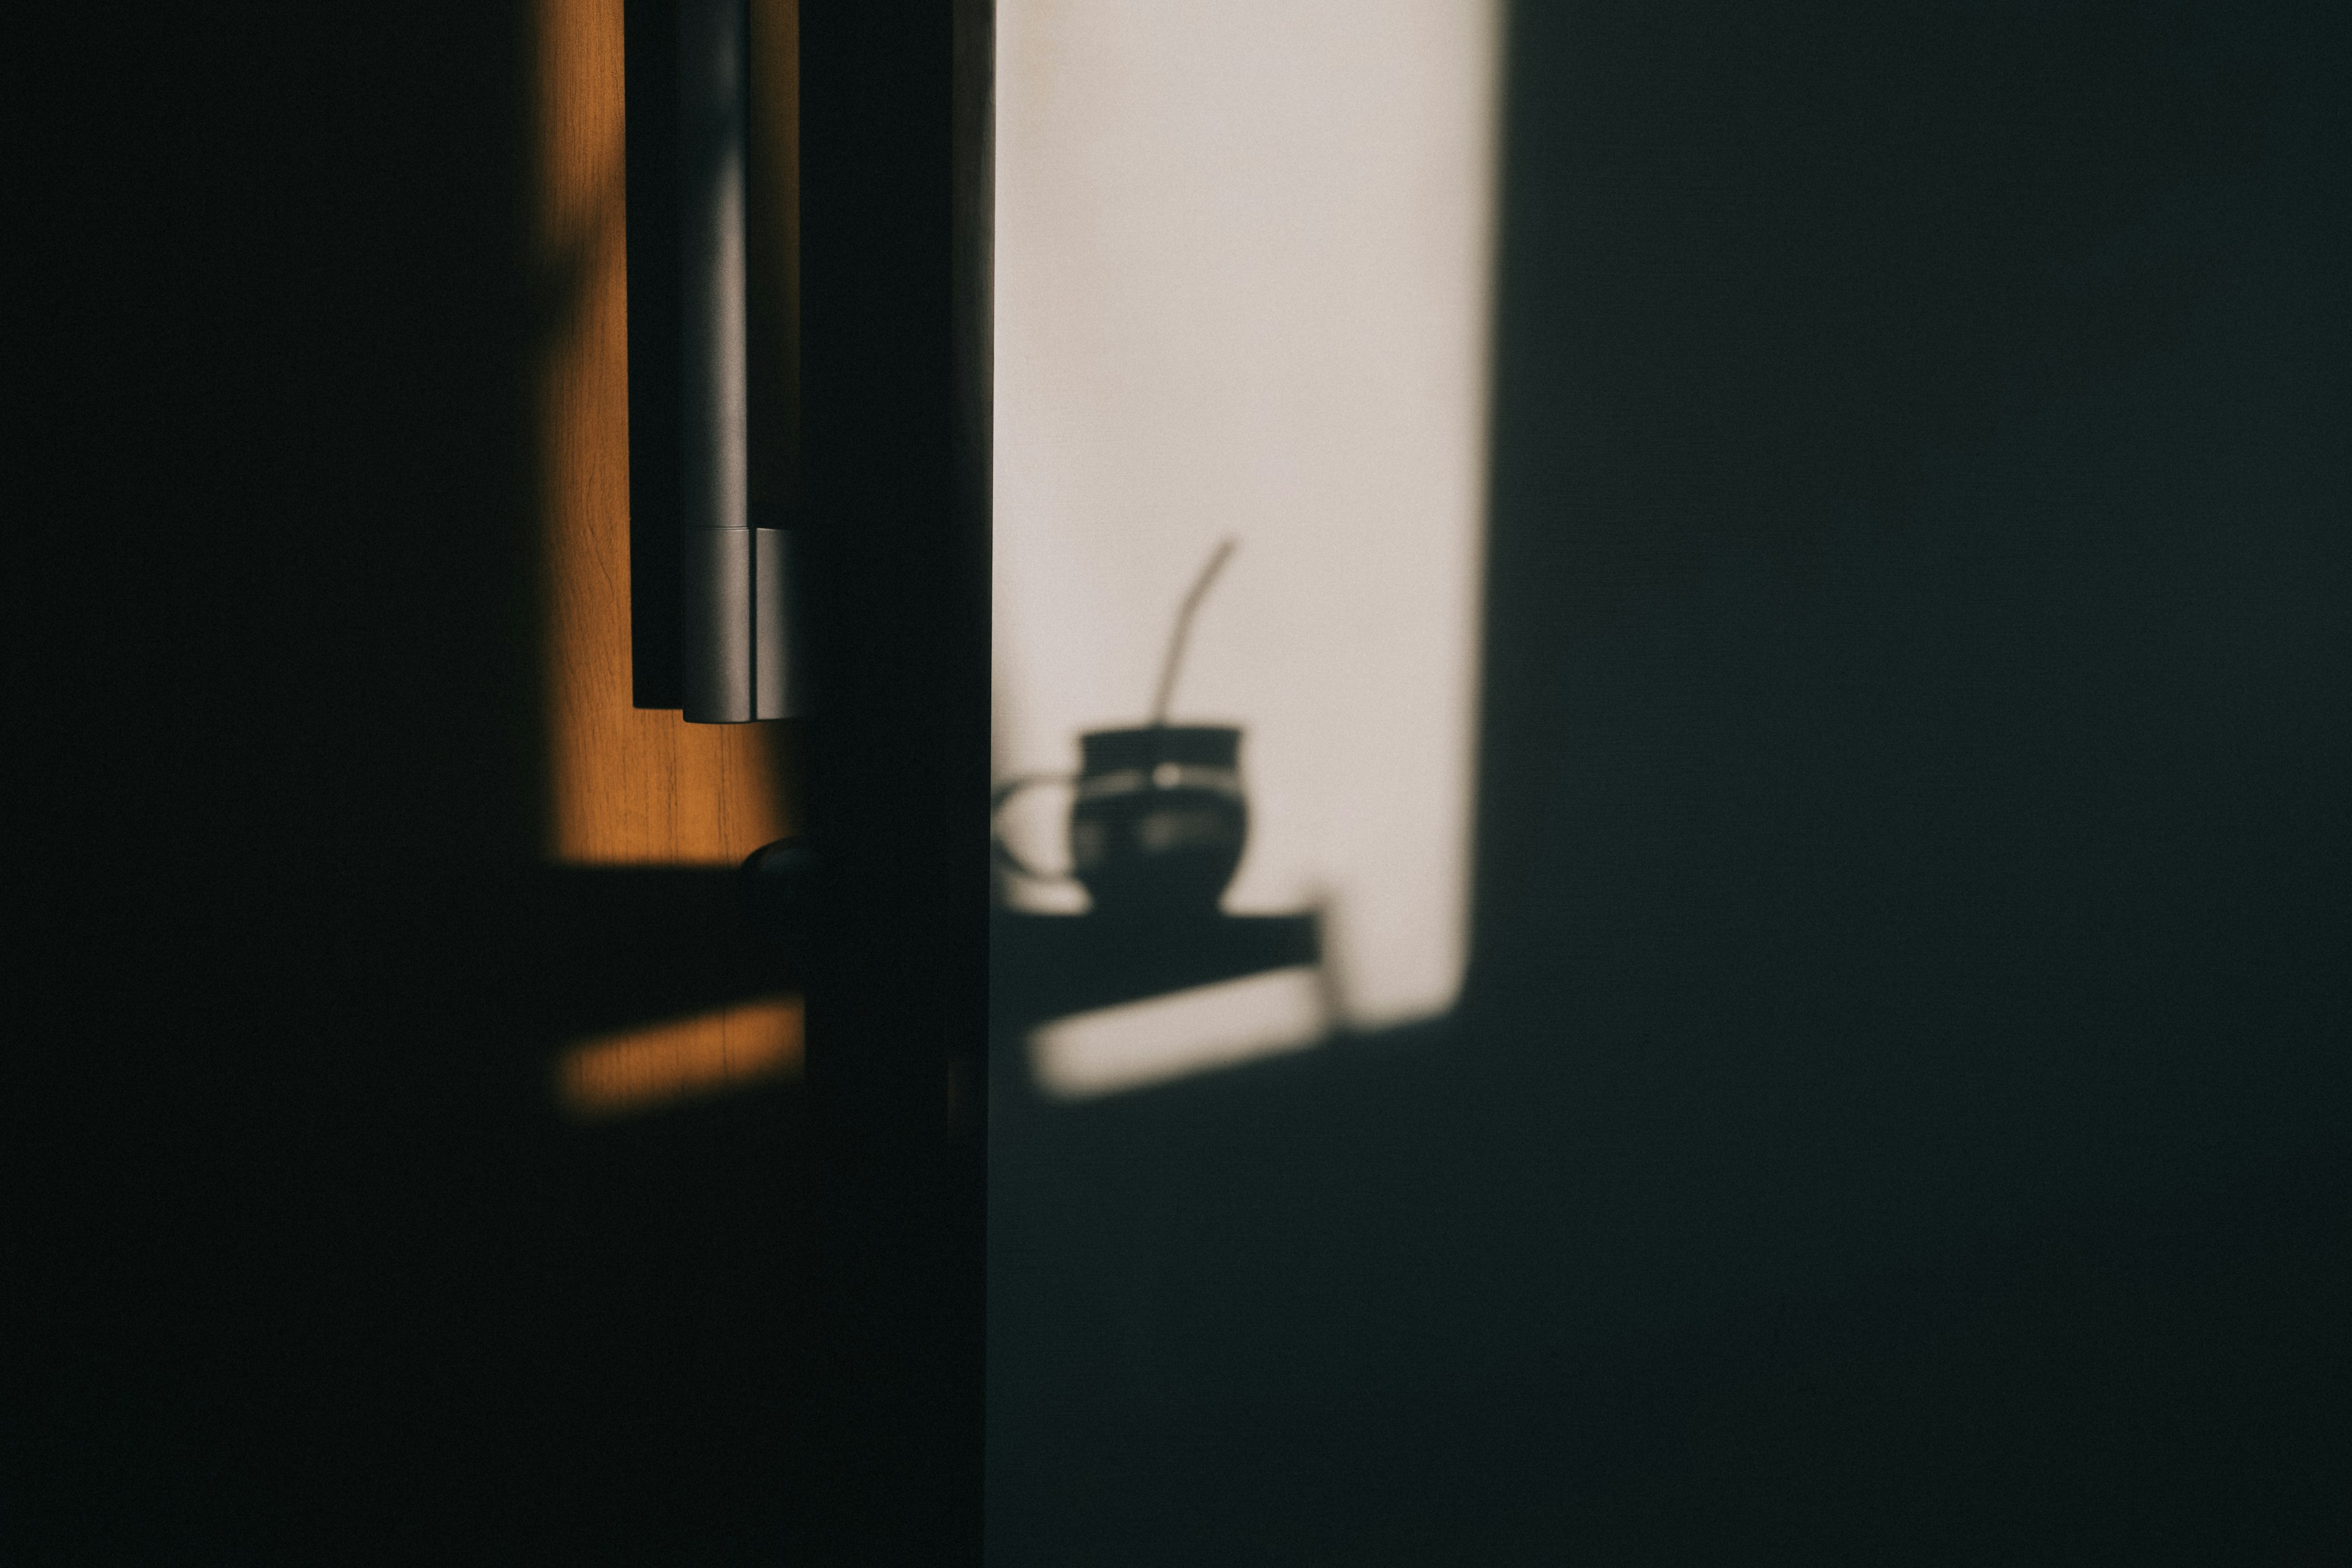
pixel 1151 978
pixel 1895 1107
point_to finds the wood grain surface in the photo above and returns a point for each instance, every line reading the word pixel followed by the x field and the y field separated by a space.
pixel 628 785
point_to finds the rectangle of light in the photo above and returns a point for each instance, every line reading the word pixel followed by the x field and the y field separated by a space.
pixel 1242 286
pixel 1149 1042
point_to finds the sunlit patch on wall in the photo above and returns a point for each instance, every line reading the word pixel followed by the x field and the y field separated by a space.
pixel 1148 1042
pixel 688 1058
pixel 1243 290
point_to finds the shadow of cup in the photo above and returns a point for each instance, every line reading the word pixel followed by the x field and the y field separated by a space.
pixel 1158 822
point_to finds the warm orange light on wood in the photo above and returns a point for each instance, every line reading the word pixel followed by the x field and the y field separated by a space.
pixel 643 1069
pixel 627 787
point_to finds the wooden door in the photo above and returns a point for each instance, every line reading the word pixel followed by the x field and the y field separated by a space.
pixel 352 841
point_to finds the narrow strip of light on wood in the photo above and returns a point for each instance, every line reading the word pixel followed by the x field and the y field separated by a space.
pixel 688 1059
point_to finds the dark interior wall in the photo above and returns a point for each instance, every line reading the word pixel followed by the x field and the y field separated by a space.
pixel 1917 540
pixel 1896 1111
pixel 315 1273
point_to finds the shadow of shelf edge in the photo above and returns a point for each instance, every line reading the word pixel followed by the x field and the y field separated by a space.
pixel 1050 966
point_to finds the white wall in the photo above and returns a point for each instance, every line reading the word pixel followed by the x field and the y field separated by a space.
pixel 1243 263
